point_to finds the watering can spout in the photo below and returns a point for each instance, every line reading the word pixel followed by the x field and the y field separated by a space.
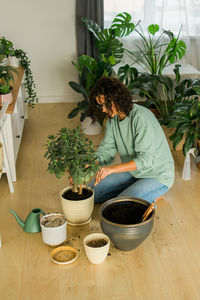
pixel 20 222
pixel 32 223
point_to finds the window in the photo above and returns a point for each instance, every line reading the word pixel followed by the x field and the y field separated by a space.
pixel 169 14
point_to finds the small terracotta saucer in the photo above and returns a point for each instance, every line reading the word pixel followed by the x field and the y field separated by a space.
pixel 64 255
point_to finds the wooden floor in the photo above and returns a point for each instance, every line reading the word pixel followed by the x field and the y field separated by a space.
pixel 165 266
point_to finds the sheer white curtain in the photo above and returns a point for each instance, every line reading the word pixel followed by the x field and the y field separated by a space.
pixel 168 14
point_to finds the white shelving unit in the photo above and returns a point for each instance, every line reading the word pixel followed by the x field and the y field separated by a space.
pixel 14 123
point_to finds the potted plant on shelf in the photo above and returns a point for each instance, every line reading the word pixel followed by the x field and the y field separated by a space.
pixel 70 152
pixel 186 120
pixel 6 79
pixel 7 50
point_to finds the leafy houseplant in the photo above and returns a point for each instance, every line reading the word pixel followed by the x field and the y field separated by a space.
pixel 69 152
pixel 109 46
pixel 6 79
pixel 89 71
pixel 72 153
pixel 164 92
pixel 4 89
pixel 110 50
pixel 156 53
pixel 29 81
pixel 186 120
pixel 7 49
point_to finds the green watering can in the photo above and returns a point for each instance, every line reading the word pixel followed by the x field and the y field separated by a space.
pixel 32 223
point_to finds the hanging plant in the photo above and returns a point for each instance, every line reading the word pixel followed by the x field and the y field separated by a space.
pixel 29 84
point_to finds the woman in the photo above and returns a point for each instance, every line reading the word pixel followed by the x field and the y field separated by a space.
pixel 147 167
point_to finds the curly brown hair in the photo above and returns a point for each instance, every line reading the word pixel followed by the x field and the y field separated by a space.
pixel 114 91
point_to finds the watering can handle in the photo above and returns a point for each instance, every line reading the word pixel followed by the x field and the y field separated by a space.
pixel 42 212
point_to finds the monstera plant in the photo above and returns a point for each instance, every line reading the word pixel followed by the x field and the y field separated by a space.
pixel 110 50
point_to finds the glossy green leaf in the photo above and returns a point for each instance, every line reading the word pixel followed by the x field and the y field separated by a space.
pixel 122 25
pixel 153 28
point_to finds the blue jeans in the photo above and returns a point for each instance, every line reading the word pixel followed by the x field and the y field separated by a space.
pixel 124 184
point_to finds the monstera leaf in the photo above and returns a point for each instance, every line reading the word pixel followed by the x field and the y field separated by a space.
pixel 122 25
pixel 92 26
pixel 110 46
pixel 127 74
pixel 176 50
pixel 85 61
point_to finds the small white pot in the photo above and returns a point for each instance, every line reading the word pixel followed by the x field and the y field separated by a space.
pixel 96 255
pixel 13 61
pixel 77 212
pixel 53 236
pixel 90 128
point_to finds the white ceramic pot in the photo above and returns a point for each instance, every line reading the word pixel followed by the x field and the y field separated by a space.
pixel 98 254
pixel 77 212
pixel 13 61
pixel 90 128
pixel 53 236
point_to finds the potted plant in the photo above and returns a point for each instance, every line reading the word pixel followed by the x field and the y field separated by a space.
pixel 70 152
pixel 156 52
pixel 164 92
pixel 7 50
pixel 6 79
pixel 111 52
pixel 5 93
pixel 89 71
pixel 186 121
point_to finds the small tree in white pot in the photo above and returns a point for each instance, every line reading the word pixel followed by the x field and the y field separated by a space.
pixel 70 153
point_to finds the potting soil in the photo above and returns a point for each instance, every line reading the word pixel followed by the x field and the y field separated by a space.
pixel 125 213
pixel 70 195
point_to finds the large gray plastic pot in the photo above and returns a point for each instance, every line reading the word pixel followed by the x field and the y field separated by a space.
pixel 126 237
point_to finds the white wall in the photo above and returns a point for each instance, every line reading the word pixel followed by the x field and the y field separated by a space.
pixel 45 29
